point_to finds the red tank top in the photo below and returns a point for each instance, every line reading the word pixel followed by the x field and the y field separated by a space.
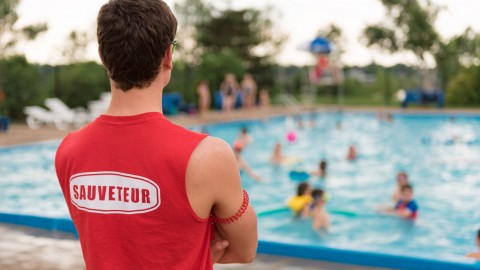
pixel 123 179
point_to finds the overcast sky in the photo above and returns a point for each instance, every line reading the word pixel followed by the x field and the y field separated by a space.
pixel 300 20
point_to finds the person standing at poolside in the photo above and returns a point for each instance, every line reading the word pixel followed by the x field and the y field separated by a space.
pixel 249 91
pixel 203 97
pixel 264 99
pixel 229 90
pixel 142 192
pixel 264 104
pixel 476 255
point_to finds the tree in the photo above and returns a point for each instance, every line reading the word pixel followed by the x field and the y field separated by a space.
pixel 207 33
pixel 191 14
pixel 247 32
pixel 215 65
pixel 9 33
pixel 19 92
pixel 335 34
pixel 250 34
pixel 23 85
pixel 409 27
pixel 80 83
pixel 464 88
pixel 76 47
pixel 461 50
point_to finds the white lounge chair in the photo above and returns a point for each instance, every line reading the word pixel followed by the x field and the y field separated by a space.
pixel 74 117
pixel 38 116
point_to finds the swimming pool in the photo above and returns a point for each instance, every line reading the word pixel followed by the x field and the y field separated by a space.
pixel 445 176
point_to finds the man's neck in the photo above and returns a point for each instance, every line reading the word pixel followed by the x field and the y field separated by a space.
pixel 135 101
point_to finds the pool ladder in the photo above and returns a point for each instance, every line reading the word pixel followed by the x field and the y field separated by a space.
pixel 290 102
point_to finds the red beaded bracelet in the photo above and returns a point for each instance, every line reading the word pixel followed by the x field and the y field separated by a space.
pixel 236 216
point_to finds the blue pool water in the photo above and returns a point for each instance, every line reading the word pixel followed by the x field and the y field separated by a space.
pixel 445 177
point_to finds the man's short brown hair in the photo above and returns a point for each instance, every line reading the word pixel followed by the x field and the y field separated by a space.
pixel 133 37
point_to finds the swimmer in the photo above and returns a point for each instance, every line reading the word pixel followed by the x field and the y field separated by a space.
pixel 406 207
pixel 389 118
pixel 245 137
pixel 402 180
pixel 455 138
pixel 475 255
pixel 242 164
pixel 300 203
pixel 312 123
pixel 321 218
pixel 322 169
pixel 300 123
pixel 277 156
pixel 352 153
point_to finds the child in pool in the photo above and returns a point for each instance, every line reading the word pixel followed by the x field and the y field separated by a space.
pixel 406 207
pixel 245 137
pixel 278 158
pixel 321 219
pixel 402 179
pixel 322 169
pixel 300 204
pixel 476 255
pixel 242 164
pixel 277 155
pixel 352 153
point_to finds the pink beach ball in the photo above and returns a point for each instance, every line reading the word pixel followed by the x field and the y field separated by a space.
pixel 291 136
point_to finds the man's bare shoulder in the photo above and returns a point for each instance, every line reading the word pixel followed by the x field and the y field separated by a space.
pixel 212 160
pixel 213 149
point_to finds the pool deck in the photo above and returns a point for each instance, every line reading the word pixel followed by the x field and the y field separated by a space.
pixel 25 248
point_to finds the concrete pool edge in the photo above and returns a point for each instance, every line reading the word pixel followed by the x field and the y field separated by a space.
pixel 281 249
pixel 363 258
pixel 39 222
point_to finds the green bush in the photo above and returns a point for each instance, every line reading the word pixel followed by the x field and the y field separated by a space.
pixel 23 86
pixel 80 83
pixel 214 66
pixel 464 88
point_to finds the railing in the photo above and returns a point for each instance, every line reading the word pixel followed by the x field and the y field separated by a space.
pixel 290 102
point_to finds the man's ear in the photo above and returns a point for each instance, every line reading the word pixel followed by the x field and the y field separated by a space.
pixel 167 58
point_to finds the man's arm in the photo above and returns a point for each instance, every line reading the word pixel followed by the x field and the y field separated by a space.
pixel 214 184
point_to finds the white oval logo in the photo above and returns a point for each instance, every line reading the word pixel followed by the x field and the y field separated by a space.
pixel 114 193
